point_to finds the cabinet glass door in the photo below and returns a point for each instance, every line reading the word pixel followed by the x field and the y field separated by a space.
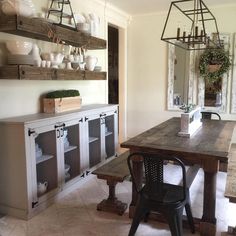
pixel 110 135
pixel 72 147
pixel 94 133
pixel 110 132
pixel 43 145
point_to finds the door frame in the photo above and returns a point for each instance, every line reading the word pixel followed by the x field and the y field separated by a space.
pixel 122 70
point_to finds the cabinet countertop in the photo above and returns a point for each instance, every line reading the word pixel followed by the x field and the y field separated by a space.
pixel 45 116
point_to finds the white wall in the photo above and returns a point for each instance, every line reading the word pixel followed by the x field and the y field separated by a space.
pixel 147 68
pixel 24 97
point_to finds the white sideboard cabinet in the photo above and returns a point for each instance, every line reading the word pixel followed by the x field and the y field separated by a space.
pixel 53 151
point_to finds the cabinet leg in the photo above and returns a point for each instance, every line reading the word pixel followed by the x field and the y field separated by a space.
pixel 111 204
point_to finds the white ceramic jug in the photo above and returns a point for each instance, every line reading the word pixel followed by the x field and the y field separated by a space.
pixel 36 55
pixel 91 62
pixel 42 187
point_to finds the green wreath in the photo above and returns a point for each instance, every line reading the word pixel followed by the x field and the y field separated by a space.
pixel 213 56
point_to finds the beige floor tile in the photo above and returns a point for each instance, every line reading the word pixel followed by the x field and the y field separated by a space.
pixel 76 214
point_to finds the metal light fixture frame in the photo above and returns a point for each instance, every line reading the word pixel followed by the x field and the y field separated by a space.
pixel 194 40
pixel 61 14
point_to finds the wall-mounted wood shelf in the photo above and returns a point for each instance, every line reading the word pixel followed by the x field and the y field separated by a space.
pixel 38 28
pixel 25 72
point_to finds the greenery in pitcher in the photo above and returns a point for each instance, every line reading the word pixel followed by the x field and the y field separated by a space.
pixel 187 107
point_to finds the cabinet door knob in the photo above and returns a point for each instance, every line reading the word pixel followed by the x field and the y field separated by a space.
pixel 103 114
pixel 31 131
pixel 81 120
pixel 60 125
pixel 62 132
pixel 58 133
pixel 86 118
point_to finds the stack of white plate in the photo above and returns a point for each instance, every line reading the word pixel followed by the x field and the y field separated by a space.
pixel 17 59
pixel 38 151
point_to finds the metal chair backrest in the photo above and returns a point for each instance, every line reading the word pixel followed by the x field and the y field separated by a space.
pixel 153 165
pixel 208 115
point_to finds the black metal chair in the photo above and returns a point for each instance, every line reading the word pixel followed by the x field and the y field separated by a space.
pixel 157 195
pixel 208 115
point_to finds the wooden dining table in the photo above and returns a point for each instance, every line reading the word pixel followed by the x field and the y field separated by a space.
pixel 208 147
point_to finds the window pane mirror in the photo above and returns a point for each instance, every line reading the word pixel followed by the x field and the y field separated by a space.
pixel 214 96
pixel 181 73
pixel 233 88
pixel 186 86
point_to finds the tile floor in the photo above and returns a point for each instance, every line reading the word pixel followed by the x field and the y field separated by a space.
pixel 76 214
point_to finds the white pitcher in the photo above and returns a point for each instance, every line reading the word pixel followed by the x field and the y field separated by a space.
pixel 42 187
pixel 36 55
pixel 91 62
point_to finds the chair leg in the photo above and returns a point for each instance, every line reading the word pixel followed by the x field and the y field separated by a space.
pixel 146 217
pixel 190 217
pixel 140 212
pixel 175 221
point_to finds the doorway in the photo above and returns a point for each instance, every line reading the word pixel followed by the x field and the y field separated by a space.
pixel 113 65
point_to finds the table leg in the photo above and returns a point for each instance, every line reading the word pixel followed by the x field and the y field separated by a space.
pixel 138 173
pixel 208 221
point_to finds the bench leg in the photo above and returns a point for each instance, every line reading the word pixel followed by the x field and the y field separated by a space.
pixel 111 204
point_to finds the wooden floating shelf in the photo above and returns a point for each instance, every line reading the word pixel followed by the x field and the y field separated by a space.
pixel 38 28
pixel 26 72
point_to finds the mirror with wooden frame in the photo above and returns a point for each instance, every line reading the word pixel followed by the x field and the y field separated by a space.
pixel 213 96
pixel 180 77
pixel 233 85
pixel 185 85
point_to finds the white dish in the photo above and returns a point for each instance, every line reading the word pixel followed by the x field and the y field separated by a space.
pixel 67 176
pixel 84 27
pixel 20 59
pixel 67 168
pixel 98 68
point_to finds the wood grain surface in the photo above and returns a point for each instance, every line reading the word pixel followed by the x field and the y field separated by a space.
pixel 211 141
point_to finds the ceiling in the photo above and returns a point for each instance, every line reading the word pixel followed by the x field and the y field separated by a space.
pixel 136 7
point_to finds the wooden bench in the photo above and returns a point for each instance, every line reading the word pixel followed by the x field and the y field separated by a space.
pixel 113 172
pixel 230 188
pixel 117 171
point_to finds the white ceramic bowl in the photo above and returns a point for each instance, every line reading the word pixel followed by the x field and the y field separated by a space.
pixel 19 47
pixel 19 7
pixel 67 168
